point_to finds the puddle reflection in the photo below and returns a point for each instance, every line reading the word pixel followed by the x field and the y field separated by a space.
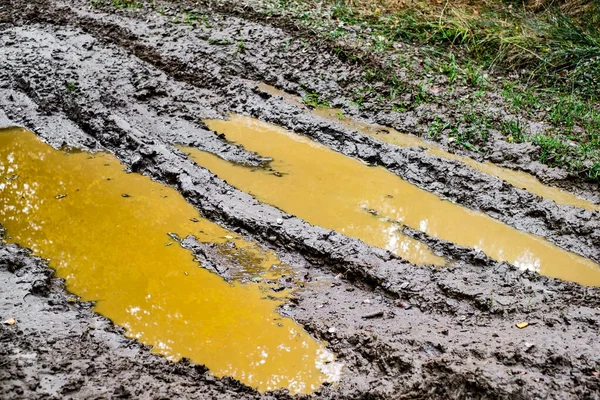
pixel 106 233
pixel 329 189
pixel 518 179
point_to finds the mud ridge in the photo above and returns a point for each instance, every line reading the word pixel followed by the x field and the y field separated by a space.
pixel 571 228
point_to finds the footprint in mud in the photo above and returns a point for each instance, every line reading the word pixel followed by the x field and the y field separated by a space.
pixel 115 250
pixel 329 189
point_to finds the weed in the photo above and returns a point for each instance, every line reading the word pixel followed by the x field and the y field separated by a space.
pixel 450 69
pixel 513 130
pixel 313 99
pixel 398 108
pixel 239 48
pixel 554 151
pixel 191 17
pixel 436 128
pixel 71 86
pixel 474 75
pixel 219 42
pixel 126 4
pixel 115 3
pixel 521 99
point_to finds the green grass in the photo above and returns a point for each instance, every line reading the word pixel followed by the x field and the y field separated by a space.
pixel 71 86
pixel 314 100
pixel 239 48
pixel 219 42
pixel 548 57
pixel 125 4
pixel 552 46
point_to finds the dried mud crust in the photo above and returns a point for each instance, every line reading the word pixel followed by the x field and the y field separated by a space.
pixel 402 331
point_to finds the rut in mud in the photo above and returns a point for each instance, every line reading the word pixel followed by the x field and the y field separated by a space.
pixel 516 178
pixel 121 82
pixel 336 192
pixel 105 233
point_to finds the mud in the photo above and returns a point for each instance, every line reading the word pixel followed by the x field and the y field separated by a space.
pixel 373 205
pixel 516 178
pixel 70 207
pixel 136 85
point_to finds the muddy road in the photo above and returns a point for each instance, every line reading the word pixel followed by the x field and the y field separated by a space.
pixel 428 312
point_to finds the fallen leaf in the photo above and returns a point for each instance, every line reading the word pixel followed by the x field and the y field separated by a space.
pixel 10 321
pixel 522 325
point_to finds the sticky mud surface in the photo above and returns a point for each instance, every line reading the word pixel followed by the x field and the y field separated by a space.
pixel 135 84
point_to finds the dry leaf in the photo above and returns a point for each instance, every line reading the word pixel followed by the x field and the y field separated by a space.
pixel 10 321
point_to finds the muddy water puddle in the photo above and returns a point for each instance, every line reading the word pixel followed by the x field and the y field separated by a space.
pixel 329 189
pixel 517 179
pixel 106 232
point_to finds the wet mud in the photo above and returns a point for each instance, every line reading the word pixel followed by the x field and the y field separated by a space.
pixel 70 208
pixel 136 85
pixel 330 190
pixel 518 179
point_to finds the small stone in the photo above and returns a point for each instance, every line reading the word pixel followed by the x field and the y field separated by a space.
pixel 403 304
pixel 279 221
pixel 332 330
pixel 529 347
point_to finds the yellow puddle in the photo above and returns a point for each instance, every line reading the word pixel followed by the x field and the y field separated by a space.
pixel 329 189
pixel 106 233
pixel 518 179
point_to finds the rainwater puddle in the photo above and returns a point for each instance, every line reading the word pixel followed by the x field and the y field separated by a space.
pixel 106 232
pixel 517 179
pixel 329 189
